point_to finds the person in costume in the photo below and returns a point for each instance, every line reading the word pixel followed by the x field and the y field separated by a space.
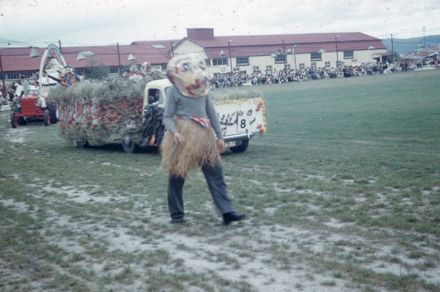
pixel 193 137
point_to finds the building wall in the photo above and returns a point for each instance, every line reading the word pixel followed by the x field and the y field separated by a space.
pixel 359 57
pixel 367 55
pixel 188 47
pixel 262 62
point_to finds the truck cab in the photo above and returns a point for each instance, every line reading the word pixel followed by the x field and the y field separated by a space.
pixel 240 119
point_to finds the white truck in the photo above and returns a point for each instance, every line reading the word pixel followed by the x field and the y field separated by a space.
pixel 131 114
pixel 240 118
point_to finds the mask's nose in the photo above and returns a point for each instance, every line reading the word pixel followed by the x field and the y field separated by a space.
pixel 203 79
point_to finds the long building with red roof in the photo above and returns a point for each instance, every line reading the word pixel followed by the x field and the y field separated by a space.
pixel 245 53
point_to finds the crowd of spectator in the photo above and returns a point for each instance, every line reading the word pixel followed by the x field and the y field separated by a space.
pixel 16 89
pixel 273 76
pixel 258 77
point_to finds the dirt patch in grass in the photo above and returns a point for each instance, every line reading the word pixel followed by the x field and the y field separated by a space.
pixel 265 256
pixel 238 258
pixel 333 202
pixel 17 135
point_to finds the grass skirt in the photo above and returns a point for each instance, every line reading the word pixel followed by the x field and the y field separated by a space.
pixel 199 147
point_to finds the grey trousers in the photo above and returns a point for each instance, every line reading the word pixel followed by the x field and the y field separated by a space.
pixel 216 184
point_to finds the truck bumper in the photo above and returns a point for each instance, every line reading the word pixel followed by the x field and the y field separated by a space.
pixel 236 140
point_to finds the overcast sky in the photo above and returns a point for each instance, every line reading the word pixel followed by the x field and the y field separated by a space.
pixel 89 22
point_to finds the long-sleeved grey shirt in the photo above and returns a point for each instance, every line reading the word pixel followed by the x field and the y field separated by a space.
pixel 187 107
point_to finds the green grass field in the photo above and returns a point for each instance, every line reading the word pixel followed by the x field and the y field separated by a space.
pixel 342 193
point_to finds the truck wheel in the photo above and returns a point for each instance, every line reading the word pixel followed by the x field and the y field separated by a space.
pixel 53 112
pixel 129 146
pixel 82 144
pixel 13 120
pixel 46 118
pixel 241 148
pixel 21 121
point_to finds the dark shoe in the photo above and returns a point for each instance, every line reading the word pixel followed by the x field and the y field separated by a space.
pixel 178 220
pixel 230 217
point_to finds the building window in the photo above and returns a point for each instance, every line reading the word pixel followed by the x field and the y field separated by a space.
pixel 13 76
pixel 242 61
pixel 114 69
pixel 208 63
pixel 256 68
pixel 339 64
pixel 287 67
pixel 302 66
pixel 327 64
pixel 313 65
pixel 16 75
pixel 280 59
pixel 27 74
pixel 219 61
pixel 348 54
pixel 156 67
pixel 268 68
pixel 315 57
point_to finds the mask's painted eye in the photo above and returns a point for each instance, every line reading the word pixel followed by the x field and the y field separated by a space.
pixel 186 67
pixel 202 65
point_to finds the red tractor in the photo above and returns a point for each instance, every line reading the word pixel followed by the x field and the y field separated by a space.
pixel 32 109
pixel 32 106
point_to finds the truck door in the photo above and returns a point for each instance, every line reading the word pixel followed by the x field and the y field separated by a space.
pixel 248 116
pixel 241 117
pixel 228 118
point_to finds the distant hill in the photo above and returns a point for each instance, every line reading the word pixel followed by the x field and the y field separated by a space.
pixel 411 44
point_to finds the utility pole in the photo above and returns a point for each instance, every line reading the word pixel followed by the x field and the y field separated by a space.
pixel 119 58
pixel 392 47
pixel 3 75
pixel 294 55
pixel 337 53
pixel 59 45
pixel 424 37
pixel 172 49
pixel 230 58
pixel 284 55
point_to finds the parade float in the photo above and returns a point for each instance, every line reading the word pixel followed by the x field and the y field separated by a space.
pixel 128 108
pixel 101 112
pixel 129 111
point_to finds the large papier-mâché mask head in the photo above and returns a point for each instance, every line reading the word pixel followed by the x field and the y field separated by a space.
pixel 189 74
